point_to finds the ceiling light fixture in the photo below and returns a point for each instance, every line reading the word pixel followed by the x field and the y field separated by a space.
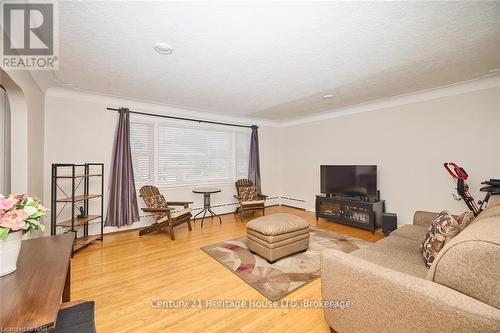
pixel 327 96
pixel 64 84
pixel 163 48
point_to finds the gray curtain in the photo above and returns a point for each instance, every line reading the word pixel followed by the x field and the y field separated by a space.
pixel 254 161
pixel 122 204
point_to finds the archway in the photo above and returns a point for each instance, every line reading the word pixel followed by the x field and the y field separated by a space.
pixel 17 140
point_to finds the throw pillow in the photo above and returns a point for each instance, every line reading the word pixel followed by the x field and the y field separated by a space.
pixel 156 201
pixel 443 228
pixel 248 193
pixel 465 219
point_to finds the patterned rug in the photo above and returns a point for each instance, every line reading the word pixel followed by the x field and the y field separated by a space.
pixel 277 280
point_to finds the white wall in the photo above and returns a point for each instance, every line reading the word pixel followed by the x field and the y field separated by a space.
pixel 80 129
pixel 497 174
pixel 409 143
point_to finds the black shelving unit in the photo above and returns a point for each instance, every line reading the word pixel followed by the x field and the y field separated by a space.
pixel 77 192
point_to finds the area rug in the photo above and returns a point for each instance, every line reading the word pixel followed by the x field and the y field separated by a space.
pixel 277 280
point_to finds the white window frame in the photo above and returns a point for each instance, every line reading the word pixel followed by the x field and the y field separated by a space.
pixel 157 122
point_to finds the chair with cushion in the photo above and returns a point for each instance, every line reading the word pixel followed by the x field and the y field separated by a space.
pixel 166 218
pixel 248 198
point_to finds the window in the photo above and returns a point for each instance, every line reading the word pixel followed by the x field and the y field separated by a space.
pixel 141 146
pixel 5 175
pixel 166 155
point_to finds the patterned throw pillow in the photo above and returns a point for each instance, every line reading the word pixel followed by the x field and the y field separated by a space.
pixel 156 201
pixel 443 229
pixel 248 193
pixel 465 219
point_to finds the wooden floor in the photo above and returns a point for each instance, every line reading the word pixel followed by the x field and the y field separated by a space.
pixel 125 273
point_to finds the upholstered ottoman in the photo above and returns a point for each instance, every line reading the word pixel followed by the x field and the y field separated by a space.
pixel 278 235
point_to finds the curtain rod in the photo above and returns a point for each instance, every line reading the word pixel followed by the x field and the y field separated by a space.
pixel 186 119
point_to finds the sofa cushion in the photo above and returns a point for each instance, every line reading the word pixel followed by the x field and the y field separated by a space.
pixel 465 219
pixel 492 210
pixel 410 231
pixel 443 229
pixel 397 253
pixel 470 262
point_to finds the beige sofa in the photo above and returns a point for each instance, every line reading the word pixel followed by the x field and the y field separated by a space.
pixel 390 289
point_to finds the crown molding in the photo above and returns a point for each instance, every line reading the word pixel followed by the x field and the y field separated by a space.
pixel 150 107
pixel 488 82
pixel 491 81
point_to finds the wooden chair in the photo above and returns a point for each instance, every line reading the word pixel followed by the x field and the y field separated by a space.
pixel 165 219
pixel 248 198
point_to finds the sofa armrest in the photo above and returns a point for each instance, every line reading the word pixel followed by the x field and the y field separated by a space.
pixel 385 300
pixel 424 218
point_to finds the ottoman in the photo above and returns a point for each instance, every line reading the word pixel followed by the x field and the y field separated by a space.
pixel 278 235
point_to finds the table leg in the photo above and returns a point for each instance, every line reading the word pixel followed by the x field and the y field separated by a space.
pixel 66 296
pixel 194 218
pixel 213 214
pixel 204 213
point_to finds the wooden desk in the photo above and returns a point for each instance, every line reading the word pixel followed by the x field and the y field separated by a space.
pixel 31 296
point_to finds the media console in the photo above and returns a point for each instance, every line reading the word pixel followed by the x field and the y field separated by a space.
pixel 361 214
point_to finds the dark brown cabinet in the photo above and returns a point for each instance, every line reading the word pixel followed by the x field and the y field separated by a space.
pixel 362 214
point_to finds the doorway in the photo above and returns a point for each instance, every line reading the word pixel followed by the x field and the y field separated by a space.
pixel 5 143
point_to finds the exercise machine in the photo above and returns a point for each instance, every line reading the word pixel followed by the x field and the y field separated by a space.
pixel 459 175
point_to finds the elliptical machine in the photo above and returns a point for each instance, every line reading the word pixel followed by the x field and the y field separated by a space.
pixel 460 176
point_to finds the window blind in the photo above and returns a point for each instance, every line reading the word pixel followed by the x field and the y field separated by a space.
pixel 181 156
pixel 142 148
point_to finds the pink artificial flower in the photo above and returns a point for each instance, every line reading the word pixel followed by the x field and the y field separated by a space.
pixel 43 209
pixel 7 203
pixel 13 220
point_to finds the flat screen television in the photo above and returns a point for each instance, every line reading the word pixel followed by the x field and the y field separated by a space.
pixel 349 180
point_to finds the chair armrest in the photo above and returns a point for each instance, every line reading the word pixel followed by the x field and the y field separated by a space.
pixel 156 210
pixel 263 196
pixel 423 218
pixel 380 296
pixel 179 203
pixel 237 197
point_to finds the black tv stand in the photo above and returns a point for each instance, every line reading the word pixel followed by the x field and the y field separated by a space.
pixel 354 212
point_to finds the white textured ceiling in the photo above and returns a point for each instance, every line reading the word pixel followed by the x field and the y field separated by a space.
pixel 274 60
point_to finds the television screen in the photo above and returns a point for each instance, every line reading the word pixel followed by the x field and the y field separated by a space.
pixel 349 180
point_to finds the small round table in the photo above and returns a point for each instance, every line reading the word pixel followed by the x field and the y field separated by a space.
pixel 206 191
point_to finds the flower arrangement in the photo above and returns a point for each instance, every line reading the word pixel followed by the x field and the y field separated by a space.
pixel 20 212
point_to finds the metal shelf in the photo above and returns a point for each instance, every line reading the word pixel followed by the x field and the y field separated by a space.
pixel 80 176
pixel 79 198
pixel 76 175
pixel 84 241
pixel 78 221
